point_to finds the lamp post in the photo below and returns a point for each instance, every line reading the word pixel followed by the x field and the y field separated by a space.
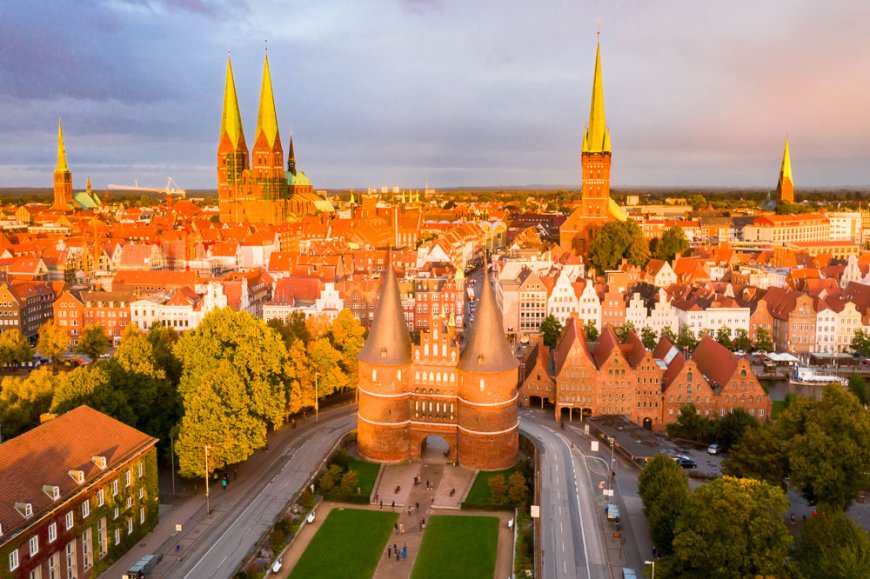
pixel 653 563
pixel 316 396
pixel 611 440
pixel 172 464
pixel 207 503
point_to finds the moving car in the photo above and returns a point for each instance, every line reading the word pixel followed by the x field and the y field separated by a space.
pixel 685 461
pixel 713 449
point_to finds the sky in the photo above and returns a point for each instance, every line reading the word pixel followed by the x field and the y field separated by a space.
pixel 447 93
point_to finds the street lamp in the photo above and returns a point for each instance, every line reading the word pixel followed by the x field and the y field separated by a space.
pixel 316 396
pixel 653 563
pixel 611 440
pixel 207 504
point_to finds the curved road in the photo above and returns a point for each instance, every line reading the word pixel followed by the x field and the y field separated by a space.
pixel 572 544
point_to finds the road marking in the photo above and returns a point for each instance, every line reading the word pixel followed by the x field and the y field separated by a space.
pixel 561 530
pixel 579 508
pixel 222 561
pixel 563 546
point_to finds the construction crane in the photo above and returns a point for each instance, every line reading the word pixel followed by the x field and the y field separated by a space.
pixel 170 189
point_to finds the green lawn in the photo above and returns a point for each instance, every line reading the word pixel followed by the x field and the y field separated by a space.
pixel 479 493
pixel 347 546
pixel 368 472
pixel 458 547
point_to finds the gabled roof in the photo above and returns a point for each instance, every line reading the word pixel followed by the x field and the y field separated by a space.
pixel 715 361
pixel 572 334
pixel 606 344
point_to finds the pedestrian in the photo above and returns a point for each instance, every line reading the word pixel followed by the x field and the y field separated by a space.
pixel 381 505
pixel 792 519
pixel 417 506
pixel 428 486
pixel 224 483
pixel 397 555
pixel 654 552
pixel 396 527
pixel 404 552
pixel 393 506
pixel 432 501
pixel 389 551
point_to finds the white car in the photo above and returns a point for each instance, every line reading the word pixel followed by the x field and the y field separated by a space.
pixel 713 449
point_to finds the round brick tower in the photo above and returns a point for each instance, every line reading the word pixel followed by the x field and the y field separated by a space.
pixel 383 417
pixel 487 418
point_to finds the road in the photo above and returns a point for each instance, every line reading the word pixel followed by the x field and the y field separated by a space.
pixel 571 539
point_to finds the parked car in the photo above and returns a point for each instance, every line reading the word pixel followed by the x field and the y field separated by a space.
pixel 685 461
pixel 713 449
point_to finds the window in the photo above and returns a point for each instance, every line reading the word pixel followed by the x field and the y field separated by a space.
pixel 35 573
pixel 101 497
pixel 86 508
pixel 129 502
pixel 102 538
pixel 141 493
pixel 54 566
pixel 88 549
pixel 13 560
pixel 117 512
pixel 142 515
pixel 129 525
pixel 69 520
pixel 34 545
pixel 71 563
pixel 52 532
pixel 141 466
pixel 117 536
pixel 127 478
pixel 115 488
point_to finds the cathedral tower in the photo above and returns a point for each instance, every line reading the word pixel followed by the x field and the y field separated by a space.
pixel 63 189
pixel 232 154
pixel 785 186
pixel 595 153
pixel 384 376
pixel 487 418
pixel 267 158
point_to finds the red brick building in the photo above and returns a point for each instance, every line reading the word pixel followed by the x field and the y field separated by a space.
pixel 408 392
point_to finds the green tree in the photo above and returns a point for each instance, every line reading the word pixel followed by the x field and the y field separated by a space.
pixel 832 545
pixel 91 385
pixel 742 341
pixel 760 454
pixel 327 481
pixel 763 341
pixel 686 339
pixel 591 331
pixel 858 387
pixel 624 331
pixel 692 426
pixel 861 343
pixel 664 490
pixel 618 240
pixel 293 327
pixel 232 389
pixel 93 342
pixel 673 241
pixel 349 482
pixel 551 328
pixel 697 201
pixel 828 453
pixel 24 400
pixel 517 489
pixel 723 336
pixel 648 337
pixel 163 340
pixel 14 347
pixel 731 528
pixel 497 489
pixel 731 427
pixel 668 333
pixel 53 341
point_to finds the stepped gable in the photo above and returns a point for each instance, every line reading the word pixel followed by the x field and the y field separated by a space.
pixel 571 334
pixel 487 349
pixel 388 343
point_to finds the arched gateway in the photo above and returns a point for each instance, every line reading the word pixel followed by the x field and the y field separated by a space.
pixel 408 392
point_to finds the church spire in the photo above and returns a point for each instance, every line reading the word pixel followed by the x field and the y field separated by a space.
pixel 291 156
pixel 267 118
pixel 785 186
pixel 597 137
pixel 61 150
pixel 388 342
pixel 231 119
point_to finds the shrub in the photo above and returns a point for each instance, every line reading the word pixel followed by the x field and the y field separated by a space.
pixel 349 482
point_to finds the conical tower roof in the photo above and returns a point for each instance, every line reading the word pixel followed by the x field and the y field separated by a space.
pixel 597 138
pixel 61 150
pixel 267 118
pixel 785 169
pixel 388 343
pixel 487 349
pixel 231 118
pixel 291 156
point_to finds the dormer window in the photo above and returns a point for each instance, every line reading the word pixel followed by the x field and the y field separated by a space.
pixel 77 475
pixel 100 461
pixel 53 491
pixel 24 509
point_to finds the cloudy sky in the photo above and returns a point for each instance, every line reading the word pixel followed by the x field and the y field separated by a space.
pixel 444 92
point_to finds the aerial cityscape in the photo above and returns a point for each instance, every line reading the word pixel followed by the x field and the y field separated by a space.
pixel 427 290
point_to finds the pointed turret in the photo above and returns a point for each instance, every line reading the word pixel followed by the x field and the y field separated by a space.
pixel 267 118
pixel 785 186
pixel 597 138
pixel 388 342
pixel 61 150
pixel 231 119
pixel 291 156
pixel 487 349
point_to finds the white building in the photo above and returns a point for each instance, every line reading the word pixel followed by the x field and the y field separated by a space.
pixel 330 302
pixel 563 300
pixel 845 226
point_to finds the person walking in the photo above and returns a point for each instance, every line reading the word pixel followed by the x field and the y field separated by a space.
pixel 404 551
pixel 389 551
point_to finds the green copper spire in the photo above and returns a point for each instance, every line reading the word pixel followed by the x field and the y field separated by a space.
pixel 267 119
pixel 61 150
pixel 597 138
pixel 231 120
pixel 291 156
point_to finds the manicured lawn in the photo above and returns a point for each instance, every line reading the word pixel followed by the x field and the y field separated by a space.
pixel 458 547
pixel 347 546
pixel 778 407
pixel 479 493
pixel 368 472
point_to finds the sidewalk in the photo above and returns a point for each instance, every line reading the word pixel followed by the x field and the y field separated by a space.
pixel 189 510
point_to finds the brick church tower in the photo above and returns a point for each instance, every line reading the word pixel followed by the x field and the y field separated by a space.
pixel 232 154
pixel 408 392
pixel 63 189
pixel 785 186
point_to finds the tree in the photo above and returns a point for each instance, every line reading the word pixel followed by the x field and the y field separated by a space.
pixel 668 333
pixel 53 341
pixel 742 341
pixel 731 528
pixel 91 385
pixel 14 347
pixel 760 454
pixel 832 545
pixel 293 327
pixel 24 400
pixel 686 339
pixel 828 454
pixel 93 342
pixel 347 336
pixel 591 331
pixel 349 482
pixel 328 479
pixel 551 328
pixel 648 337
pixel 861 343
pixel 731 427
pixel 618 240
pixel 763 341
pixel 673 241
pixel 232 389
pixel 517 488
pixel 664 490
pixel 163 340
pixel 858 387
pixel 497 489
pixel 692 426
pixel 697 201
pixel 624 331
pixel 723 336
